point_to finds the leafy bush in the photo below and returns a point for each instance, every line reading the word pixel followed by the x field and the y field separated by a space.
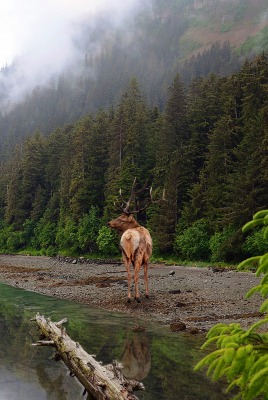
pixel 88 230
pixel 28 232
pixel 220 244
pixel 14 241
pixel 193 243
pixel 10 239
pixel 4 234
pixel 51 251
pixel 45 233
pixel 242 355
pixel 256 243
pixel 107 241
pixel 66 236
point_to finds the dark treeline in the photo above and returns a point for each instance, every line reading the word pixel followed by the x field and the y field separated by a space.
pixel 208 148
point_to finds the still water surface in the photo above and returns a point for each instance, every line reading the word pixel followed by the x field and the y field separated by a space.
pixel 162 360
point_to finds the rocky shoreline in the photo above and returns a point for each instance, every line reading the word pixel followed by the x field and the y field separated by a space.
pixel 184 298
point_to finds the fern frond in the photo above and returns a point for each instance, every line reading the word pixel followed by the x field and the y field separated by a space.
pixel 260 214
pixel 264 307
pixel 252 224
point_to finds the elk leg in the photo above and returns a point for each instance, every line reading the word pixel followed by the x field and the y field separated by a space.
pixel 136 281
pixel 127 263
pixel 145 266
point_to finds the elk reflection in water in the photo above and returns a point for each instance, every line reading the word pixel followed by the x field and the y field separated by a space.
pixel 136 356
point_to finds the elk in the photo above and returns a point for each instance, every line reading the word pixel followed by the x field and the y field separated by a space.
pixel 135 243
pixel 136 357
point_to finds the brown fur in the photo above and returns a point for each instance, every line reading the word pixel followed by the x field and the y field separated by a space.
pixel 136 245
pixel 136 358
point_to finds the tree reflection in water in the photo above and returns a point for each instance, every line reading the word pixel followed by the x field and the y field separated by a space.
pixel 162 360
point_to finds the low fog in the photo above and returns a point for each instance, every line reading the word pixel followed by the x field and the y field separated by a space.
pixel 42 39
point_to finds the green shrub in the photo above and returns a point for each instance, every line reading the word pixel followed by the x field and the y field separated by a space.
pixel 193 243
pixel 220 245
pixel 14 241
pixel 45 234
pixel 66 236
pixel 51 251
pixel 4 235
pixel 88 230
pixel 256 243
pixel 28 232
pixel 107 241
pixel 242 355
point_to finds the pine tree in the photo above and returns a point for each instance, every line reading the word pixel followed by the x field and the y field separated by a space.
pixel 33 177
pixel 79 163
pixel 13 197
pixel 248 182
pixel 172 165
pixel 204 108
pixel 127 138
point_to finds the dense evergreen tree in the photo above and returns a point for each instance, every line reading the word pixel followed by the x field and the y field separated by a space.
pixel 208 149
pixel 172 149
pixel 248 182
pixel 128 138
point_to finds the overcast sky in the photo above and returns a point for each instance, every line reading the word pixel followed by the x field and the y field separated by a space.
pixel 39 36
pixel 42 28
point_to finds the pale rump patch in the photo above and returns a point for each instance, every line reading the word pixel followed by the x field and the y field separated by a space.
pixel 130 241
pixel 133 235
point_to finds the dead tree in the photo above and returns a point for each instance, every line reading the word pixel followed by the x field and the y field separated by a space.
pixel 102 382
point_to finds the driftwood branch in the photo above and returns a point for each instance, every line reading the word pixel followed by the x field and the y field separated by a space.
pixel 102 382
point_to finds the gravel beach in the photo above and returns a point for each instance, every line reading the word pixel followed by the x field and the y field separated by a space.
pixel 184 298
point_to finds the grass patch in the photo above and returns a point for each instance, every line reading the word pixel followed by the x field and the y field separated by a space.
pixel 255 44
pixel 226 27
pixel 188 46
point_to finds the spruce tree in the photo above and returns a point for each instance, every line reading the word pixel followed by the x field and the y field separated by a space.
pixel 128 135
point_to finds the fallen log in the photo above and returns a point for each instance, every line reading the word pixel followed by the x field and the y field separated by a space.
pixel 101 382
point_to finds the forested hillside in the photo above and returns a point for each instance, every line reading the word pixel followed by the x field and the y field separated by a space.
pixel 208 147
pixel 158 40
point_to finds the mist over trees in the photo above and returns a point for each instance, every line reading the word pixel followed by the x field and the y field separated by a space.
pixel 208 147
pixel 150 44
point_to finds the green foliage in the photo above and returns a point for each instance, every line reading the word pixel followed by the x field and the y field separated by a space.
pixel 242 355
pixel 88 230
pixel 4 233
pixel 206 145
pixel 28 230
pixel 107 241
pixel 193 243
pixel 226 27
pixel 66 236
pixel 255 43
pixel 45 234
pixel 220 244
pixel 14 241
pixel 10 239
pixel 256 243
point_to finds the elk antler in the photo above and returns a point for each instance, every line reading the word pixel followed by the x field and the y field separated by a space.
pixel 125 205
pixel 152 201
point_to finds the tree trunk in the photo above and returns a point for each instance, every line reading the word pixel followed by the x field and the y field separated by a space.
pixel 102 382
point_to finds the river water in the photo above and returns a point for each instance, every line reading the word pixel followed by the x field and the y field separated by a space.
pixel 162 360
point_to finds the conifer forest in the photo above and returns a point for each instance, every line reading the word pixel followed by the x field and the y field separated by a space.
pixel 207 146
pixel 146 98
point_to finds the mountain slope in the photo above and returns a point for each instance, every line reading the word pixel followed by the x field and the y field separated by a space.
pixel 154 43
